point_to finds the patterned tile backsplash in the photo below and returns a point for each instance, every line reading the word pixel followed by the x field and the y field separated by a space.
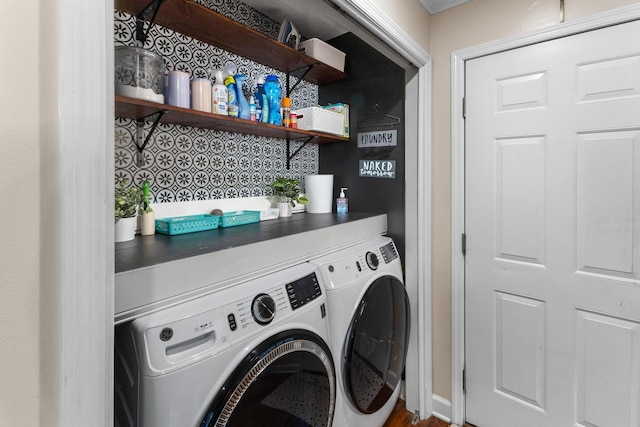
pixel 184 163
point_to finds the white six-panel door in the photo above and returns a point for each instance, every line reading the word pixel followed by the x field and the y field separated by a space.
pixel 552 214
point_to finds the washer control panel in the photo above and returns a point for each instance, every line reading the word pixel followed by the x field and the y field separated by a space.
pixel 303 291
pixel 270 304
pixel 252 313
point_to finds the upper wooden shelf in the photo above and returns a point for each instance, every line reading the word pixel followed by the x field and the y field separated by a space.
pixel 138 109
pixel 202 23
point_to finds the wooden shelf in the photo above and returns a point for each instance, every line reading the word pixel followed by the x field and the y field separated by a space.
pixel 137 109
pixel 202 23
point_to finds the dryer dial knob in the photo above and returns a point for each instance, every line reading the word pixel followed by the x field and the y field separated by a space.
pixel 263 309
pixel 372 260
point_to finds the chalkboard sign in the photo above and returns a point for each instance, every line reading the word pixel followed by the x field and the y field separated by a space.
pixel 378 168
pixel 382 138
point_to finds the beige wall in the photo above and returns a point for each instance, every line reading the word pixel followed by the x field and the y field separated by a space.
pixel 467 25
pixel 28 153
pixel 410 15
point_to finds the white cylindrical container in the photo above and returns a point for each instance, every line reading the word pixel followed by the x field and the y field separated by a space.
pixel 201 95
pixel 319 191
pixel 178 89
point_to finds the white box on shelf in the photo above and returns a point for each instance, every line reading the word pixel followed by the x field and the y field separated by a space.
pixel 324 52
pixel 320 120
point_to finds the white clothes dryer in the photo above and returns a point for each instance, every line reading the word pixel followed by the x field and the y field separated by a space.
pixel 255 354
pixel 369 322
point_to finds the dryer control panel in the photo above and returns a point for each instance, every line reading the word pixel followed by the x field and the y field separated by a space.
pixel 388 252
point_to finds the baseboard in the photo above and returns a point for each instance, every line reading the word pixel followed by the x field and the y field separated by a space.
pixel 441 408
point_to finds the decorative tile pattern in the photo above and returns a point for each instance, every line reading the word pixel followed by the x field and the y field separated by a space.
pixel 184 163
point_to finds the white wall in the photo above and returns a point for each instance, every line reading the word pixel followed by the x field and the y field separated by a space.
pixel 28 180
pixel 471 24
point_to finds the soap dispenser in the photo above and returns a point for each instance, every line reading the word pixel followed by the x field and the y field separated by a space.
pixel 342 203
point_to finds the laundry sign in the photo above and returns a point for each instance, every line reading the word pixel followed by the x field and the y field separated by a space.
pixel 378 168
pixel 382 138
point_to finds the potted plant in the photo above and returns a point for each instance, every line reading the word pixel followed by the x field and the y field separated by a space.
pixel 148 216
pixel 287 190
pixel 127 204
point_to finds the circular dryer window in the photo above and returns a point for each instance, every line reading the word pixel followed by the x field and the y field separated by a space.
pixel 375 349
pixel 288 380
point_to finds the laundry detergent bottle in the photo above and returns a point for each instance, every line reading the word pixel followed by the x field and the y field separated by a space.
pixel 262 108
pixel 272 90
pixel 243 105
pixel 232 99
pixel 219 95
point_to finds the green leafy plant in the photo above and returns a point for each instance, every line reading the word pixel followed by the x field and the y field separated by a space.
pixel 146 204
pixel 127 200
pixel 288 191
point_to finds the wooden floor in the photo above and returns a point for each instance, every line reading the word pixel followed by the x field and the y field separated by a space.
pixel 400 417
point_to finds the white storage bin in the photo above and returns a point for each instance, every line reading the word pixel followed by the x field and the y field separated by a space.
pixel 324 52
pixel 321 120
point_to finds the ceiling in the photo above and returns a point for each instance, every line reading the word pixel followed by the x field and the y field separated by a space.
pixel 323 20
pixel 435 6
pixel 312 18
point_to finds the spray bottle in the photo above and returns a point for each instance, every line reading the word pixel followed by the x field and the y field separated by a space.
pixel 232 100
pixel 243 105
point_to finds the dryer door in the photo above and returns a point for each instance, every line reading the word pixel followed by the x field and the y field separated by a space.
pixel 375 349
pixel 288 380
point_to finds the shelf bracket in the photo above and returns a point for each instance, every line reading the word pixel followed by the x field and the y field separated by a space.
pixel 300 78
pixel 290 155
pixel 141 141
pixel 148 13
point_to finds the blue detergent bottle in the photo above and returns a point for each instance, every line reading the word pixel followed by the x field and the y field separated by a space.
pixel 243 105
pixel 272 90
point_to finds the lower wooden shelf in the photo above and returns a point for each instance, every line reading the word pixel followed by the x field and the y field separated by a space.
pixel 138 109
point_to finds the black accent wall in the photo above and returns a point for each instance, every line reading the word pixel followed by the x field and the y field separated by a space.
pixel 373 80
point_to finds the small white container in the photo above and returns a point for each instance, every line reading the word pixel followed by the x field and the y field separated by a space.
pixel 320 120
pixel 324 52
pixel 269 213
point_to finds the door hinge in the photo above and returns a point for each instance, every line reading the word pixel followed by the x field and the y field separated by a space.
pixel 464 244
pixel 464 108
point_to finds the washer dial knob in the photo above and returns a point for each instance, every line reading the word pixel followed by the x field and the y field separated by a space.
pixel 263 309
pixel 372 260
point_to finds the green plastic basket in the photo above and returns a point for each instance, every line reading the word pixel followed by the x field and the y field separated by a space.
pixel 231 219
pixel 187 224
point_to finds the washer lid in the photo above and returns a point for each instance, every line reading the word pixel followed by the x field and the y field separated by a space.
pixel 375 349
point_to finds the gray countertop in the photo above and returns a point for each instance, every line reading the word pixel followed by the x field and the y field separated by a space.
pixel 153 272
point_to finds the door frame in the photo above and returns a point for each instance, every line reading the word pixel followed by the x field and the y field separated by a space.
pixel 85 276
pixel 458 59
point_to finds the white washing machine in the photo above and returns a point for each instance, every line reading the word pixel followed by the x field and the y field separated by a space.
pixel 255 354
pixel 369 323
